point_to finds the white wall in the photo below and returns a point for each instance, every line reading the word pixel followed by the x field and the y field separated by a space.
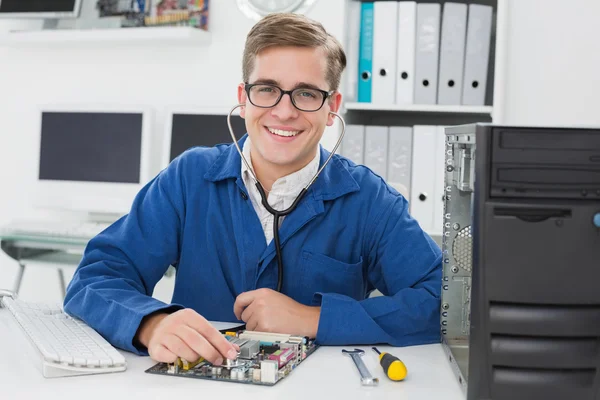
pixel 551 78
pixel 203 75
pixel 553 62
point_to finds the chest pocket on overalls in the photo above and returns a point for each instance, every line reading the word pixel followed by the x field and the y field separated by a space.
pixel 321 273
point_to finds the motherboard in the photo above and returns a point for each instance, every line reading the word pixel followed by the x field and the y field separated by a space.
pixel 264 359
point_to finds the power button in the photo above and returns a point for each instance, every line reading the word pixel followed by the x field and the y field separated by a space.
pixel 597 220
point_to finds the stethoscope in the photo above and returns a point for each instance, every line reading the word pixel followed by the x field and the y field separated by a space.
pixel 277 214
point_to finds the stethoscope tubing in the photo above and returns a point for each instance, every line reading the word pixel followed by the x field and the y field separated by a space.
pixel 277 213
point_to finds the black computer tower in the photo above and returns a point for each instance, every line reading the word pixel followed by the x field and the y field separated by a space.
pixel 521 283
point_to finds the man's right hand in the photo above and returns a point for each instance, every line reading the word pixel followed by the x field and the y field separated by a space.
pixel 185 334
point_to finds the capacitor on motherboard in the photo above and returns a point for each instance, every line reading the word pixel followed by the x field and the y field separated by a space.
pixel 256 374
pixel 241 375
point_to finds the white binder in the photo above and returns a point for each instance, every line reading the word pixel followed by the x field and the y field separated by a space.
pixel 438 176
pixel 452 53
pixel 407 30
pixel 385 28
pixel 400 156
pixel 376 149
pixel 422 193
pixel 479 29
pixel 353 143
pixel 352 53
pixel 427 53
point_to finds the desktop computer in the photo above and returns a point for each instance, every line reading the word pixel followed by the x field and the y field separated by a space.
pixel 187 128
pixel 91 163
pixel 520 313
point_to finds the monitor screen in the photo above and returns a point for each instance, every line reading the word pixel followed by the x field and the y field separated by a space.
pixel 37 6
pixel 189 130
pixel 91 147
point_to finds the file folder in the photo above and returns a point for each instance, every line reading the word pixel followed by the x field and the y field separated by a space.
pixel 353 144
pixel 427 53
pixel 452 53
pixel 365 61
pixel 405 65
pixel 385 31
pixel 376 149
pixel 479 30
pixel 422 192
pixel 438 176
pixel 352 53
pixel 400 156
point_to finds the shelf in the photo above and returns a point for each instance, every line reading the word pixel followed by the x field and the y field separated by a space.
pixel 420 108
pixel 148 35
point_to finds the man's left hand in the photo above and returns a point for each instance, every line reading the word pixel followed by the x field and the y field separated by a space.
pixel 266 310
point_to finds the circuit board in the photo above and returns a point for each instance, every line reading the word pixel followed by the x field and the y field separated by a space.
pixel 263 359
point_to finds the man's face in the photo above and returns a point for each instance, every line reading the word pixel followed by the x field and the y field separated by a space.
pixel 288 68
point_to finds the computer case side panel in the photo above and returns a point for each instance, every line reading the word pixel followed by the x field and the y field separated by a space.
pixel 457 247
pixel 479 368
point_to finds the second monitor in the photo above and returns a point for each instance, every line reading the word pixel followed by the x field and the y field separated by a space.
pixel 187 129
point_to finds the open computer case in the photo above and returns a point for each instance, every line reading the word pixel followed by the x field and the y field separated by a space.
pixel 520 313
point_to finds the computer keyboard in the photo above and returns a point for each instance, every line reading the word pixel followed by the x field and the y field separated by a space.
pixel 68 346
pixel 69 229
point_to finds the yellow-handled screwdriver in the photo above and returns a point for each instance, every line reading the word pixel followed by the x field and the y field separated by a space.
pixel 392 366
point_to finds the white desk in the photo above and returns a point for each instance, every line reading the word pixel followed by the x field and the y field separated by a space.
pixel 327 374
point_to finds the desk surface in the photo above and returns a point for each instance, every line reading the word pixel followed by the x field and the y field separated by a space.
pixel 325 374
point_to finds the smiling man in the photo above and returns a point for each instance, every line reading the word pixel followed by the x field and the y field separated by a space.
pixel 350 234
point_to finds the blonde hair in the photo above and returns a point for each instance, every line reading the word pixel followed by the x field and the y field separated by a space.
pixel 288 29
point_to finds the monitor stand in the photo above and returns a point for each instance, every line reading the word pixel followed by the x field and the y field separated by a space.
pixel 50 24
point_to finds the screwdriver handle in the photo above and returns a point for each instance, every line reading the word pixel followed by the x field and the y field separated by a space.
pixel 392 366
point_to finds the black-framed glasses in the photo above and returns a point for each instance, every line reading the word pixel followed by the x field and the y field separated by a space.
pixel 304 99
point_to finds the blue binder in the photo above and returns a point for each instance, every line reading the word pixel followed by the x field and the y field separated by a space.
pixel 365 57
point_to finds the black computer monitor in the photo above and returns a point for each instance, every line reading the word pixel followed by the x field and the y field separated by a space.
pixel 92 159
pixel 91 147
pixel 39 8
pixel 521 300
pixel 189 130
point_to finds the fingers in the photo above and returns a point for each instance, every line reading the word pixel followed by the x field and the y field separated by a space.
pixel 208 351
pixel 252 324
pixel 180 348
pixel 188 335
pixel 243 301
pixel 247 314
pixel 223 346
pixel 160 353
pixel 209 333
pixel 204 347
pixel 199 344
